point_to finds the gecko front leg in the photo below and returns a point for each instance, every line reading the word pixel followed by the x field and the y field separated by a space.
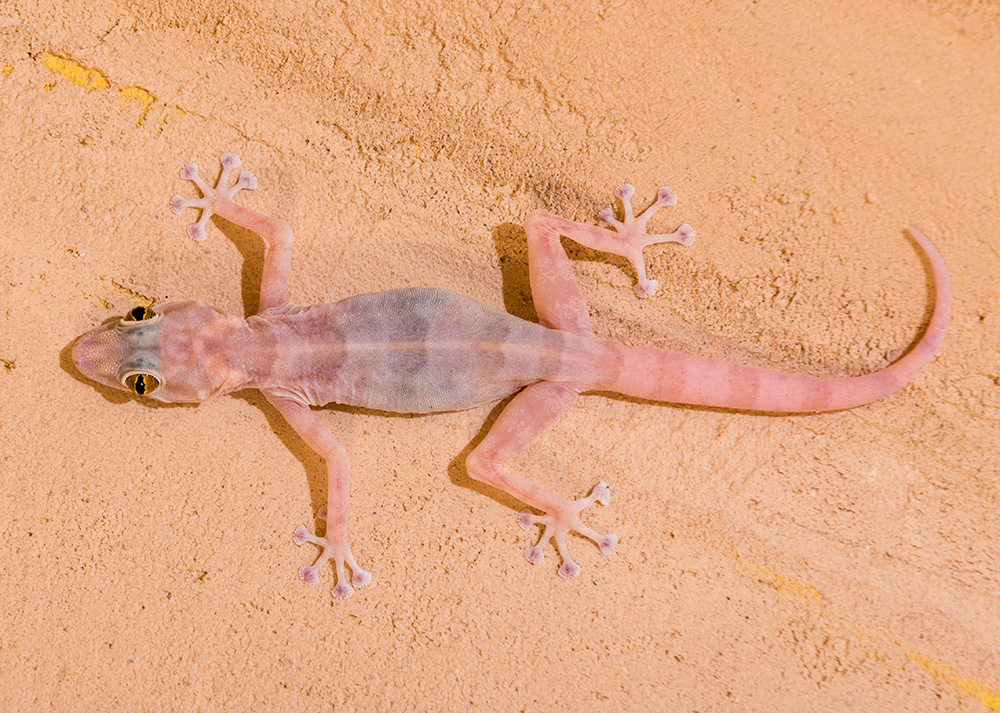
pixel 218 200
pixel 335 545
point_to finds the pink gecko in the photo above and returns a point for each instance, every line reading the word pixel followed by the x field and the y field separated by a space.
pixel 421 350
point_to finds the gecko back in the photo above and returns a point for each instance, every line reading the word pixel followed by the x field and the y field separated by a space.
pixel 412 350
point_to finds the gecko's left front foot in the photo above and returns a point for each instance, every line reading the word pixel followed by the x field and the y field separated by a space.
pixel 211 193
pixel 633 230
pixel 557 526
pixel 340 554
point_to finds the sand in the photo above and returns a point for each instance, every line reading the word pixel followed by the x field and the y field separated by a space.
pixel 844 561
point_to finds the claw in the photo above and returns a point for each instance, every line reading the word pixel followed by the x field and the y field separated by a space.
pixel 625 191
pixel 527 520
pixel 666 196
pixel 247 180
pixel 608 219
pixel 647 288
pixel 569 570
pixel 177 204
pixel 601 493
pixel 342 590
pixel 685 235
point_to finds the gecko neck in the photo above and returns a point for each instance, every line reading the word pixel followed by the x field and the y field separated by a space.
pixel 241 356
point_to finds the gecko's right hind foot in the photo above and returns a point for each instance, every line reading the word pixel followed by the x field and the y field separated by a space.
pixel 556 527
pixel 209 193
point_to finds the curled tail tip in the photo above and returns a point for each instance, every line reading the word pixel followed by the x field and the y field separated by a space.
pixel 927 245
pixel 920 237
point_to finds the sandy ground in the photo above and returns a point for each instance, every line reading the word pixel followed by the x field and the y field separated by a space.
pixel 846 561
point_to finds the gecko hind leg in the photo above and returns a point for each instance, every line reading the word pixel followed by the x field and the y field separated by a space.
pixel 555 529
pixel 189 172
pixel 629 240
pixel 529 413
pixel 560 305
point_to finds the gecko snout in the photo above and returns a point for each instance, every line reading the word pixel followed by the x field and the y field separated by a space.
pixel 98 353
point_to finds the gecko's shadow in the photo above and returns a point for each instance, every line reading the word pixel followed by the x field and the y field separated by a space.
pixel 252 250
pixel 312 462
pixel 113 396
pixel 511 244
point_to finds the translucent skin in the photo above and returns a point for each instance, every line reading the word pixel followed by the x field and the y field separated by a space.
pixel 420 350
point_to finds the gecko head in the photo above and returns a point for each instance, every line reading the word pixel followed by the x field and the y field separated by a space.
pixel 175 354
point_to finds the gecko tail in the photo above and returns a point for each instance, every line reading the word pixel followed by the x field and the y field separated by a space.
pixel 677 377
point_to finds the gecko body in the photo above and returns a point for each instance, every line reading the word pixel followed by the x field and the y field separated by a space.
pixel 412 350
pixel 422 350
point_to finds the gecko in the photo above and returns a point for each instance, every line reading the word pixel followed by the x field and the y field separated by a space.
pixel 422 350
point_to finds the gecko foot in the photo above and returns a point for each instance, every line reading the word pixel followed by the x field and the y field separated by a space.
pixel 556 527
pixel 633 231
pixel 340 555
pixel 211 193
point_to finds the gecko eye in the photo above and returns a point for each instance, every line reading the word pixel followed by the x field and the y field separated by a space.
pixel 137 314
pixel 141 384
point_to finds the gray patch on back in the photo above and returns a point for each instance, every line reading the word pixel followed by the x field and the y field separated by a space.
pixel 419 350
